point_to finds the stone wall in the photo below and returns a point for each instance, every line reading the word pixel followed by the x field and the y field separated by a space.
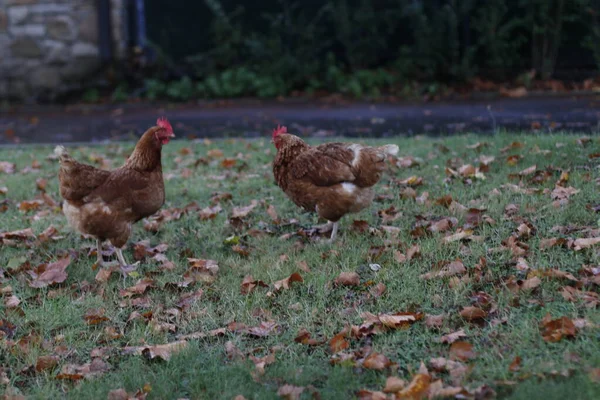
pixel 48 47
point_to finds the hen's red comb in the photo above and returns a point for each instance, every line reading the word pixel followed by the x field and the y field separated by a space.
pixel 163 123
pixel 279 130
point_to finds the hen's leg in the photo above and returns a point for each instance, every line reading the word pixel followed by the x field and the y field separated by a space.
pixel 334 232
pixel 100 260
pixel 325 227
pixel 120 257
pixel 125 267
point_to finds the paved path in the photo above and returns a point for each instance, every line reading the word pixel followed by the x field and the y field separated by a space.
pixel 52 124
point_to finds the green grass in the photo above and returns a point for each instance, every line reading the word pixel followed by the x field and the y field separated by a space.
pixel 50 321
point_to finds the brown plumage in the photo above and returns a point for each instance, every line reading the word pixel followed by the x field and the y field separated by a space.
pixel 332 179
pixel 106 204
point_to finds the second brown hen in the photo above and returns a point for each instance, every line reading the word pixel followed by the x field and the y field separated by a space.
pixel 333 179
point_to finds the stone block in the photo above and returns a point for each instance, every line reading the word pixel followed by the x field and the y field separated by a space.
pixel 50 8
pixel 61 28
pixel 81 49
pixel 57 52
pixel 26 47
pixel 20 2
pixel 88 26
pixel 3 21
pixel 28 30
pixel 17 14
pixel 45 78
pixel 80 69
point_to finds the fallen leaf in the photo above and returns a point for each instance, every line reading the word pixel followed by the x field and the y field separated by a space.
pixel 417 389
pixel 45 363
pixel 201 270
pixel 585 243
pixel 462 351
pixel 241 212
pixel 553 330
pixel 339 342
pixel 263 329
pixel 290 392
pixel 88 370
pixel 50 274
pixel 515 365
pixel 287 282
pixel 95 316
pixel 376 361
pixel 11 302
pixel 249 284
pixel 162 351
pixel 451 269
pixel 394 384
pixel 137 289
pixel 348 279
pixel 453 337
pixel 209 212
pixel 472 313
pixel 434 321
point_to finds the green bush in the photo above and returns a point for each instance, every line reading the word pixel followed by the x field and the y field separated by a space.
pixel 365 48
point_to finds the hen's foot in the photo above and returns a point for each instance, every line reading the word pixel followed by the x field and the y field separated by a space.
pixel 324 228
pixel 124 266
pixel 333 233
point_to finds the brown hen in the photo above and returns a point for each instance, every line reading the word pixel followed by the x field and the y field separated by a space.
pixel 105 204
pixel 333 179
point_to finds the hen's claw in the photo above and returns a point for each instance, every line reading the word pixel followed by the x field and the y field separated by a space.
pixel 333 233
pixel 324 228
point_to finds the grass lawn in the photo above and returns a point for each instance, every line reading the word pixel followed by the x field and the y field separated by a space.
pixel 492 262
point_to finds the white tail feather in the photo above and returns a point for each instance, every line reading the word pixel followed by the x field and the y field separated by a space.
pixel 59 151
pixel 390 149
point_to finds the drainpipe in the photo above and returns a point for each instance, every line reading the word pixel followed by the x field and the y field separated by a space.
pixel 105 31
pixel 140 23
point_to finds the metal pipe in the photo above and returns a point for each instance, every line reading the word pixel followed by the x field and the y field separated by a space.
pixel 105 31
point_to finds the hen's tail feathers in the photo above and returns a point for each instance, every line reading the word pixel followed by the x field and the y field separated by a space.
pixel 390 149
pixel 61 153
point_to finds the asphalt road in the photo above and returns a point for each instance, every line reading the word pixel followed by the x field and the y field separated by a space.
pixel 60 124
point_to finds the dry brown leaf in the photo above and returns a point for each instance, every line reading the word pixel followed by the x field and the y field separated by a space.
pixel 471 313
pixel 304 337
pixel 162 351
pixel 201 270
pixel 88 370
pixel 50 274
pixel 209 212
pixel 95 316
pixel 453 337
pixel 348 279
pixel 11 302
pixel 462 351
pixel 417 389
pixel 585 243
pixel 249 284
pixel 553 330
pixel 434 321
pixel 515 365
pixel 139 288
pixel 376 361
pixel 241 212
pixel 290 392
pixel 394 384
pixel 451 269
pixel 287 282
pixel 263 329
pixel 339 342
pixel 45 363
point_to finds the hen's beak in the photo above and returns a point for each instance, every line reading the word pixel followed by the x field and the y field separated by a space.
pixel 171 135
